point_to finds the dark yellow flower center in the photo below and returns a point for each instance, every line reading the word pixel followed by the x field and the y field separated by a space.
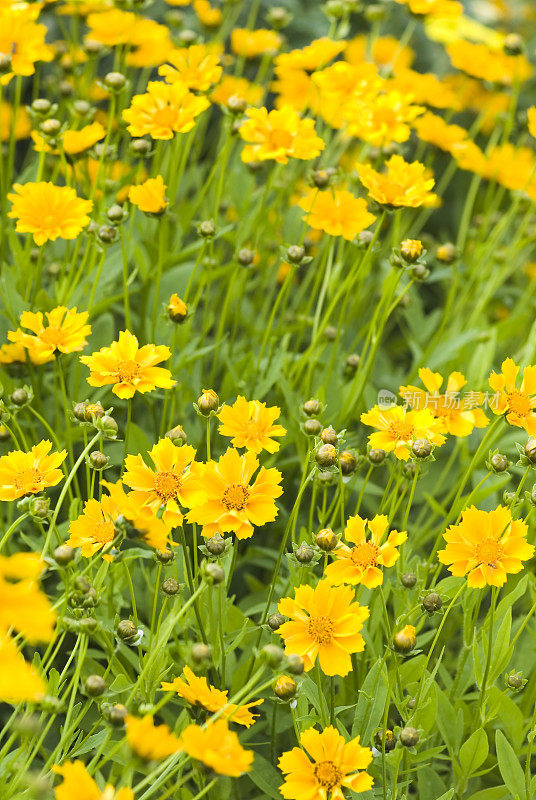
pixel 52 336
pixel 127 371
pixel 327 774
pixel 365 555
pixel 401 431
pixel 167 485
pixel 519 403
pixel 235 497
pixel 320 629
pixel 103 532
pixel 488 552
pixel 27 477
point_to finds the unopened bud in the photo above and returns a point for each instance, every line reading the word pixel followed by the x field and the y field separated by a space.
pixel 236 104
pixel 304 554
pixel 200 653
pixel 164 556
pixel 63 554
pixel 405 640
pixel 409 737
pixel 209 401
pixel 41 105
pixel 326 540
pixel 530 450
pixel 215 545
pixel 212 572
pixel 95 685
pixel 446 253
pixel 295 664
pixel 114 81
pixel 116 213
pixel 499 463
pixel 140 147
pixel 276 620
pixel 421 448
pixel 245 257
pixel 50 127
pixel 272 655
pixel 285 687
pixel 312 408
pixel 312 427
pixel 408 580
pixel 432 602
pixel 117 715
pixel 170 587
pixel 385 742
pixel 376 456
pixel 206 229
pixel 329 436
pixel 98 460
pixel 326 455
pixel 177 435
pixel 126 630
pixel 19 397
pixel 348 462
pixel 411 250
pixel 295 254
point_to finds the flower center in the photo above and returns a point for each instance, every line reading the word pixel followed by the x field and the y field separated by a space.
pixel 327 774
pixel 103 532
pixel 365 555
pixel 401 431
pixel 52 336
pixel 488 552
pixel 167 485
pixel 27 478
pixel 235 497
pixel 519 403
pixel 127 371
pixel 320 629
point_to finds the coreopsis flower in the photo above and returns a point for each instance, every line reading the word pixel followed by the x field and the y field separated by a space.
pixel 442 9
pixel 164 110
pixel 454 414
pixel 217 747
pixel 386 52
pixel 149 196
pixel 169 485
pixel 78 783
pixel 22 38
pixel 23 606
pixel 294 85
pixel 492 65
pixel 151 528
pixel 65 331
pixel 22 126
pixel 251 425
pixel 230 86
pixel 325 622
pixel 518 405
pixel 384 119
pixel 75 142
pixel 94 529
pixel 19 680
pixel 30 473
pixel 404 183
pixel 14 354
pixel 150 44
pixel 129 367
pixel 227 501
pixel 209 16
pixel 196 691
pixel 512 167
pixel 332 764
pixel 149 741
pixel 279 135
pixel 250 44
pixel 111 27
pixel 337 212
pixel 531 114
pixel 361 561
pixel 427 88
pixel 197 67
pixel 346 91
pixel 433 129
pixel 486 546
pixel 397 429
pixel 47 211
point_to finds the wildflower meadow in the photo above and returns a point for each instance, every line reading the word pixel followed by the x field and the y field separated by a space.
pixel 268 400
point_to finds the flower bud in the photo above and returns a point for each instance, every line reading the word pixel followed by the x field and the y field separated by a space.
pixel 212 572
pixel 326 455
pixel 499 463
pixel 408 580
pixel 209 401
pixel 285 687
pixel 117 715
pixel 276 620
pixel 187 37
pixel 295 254
pixel 421 448
pixel 515 681
pixel 376 456
pixel 513 44
pixel 409 469
pixel 387 742
pixel 295 664
pixel 329 436
pixel 126 630
pixel 50 127
pixel 273 655
pixel 409 737
pixel 82 584
pixel 98 460
pixel 236 104
pixel 375 12
pixel 304 554
pixel 95 685
pixel 82 107
pixel 405 640
pixel 140 147
pixel 330 333
pixel 116 213
pixel 39 507
pixel 200 653
pixel 530 450
pixel 206 229
pixel 326 540
pixel 312 427
pixel 322 177
pixel 352 363
pixel 278 17
pixel 114 81
pixel 27 725
pixel 164 556
pixel 446 253
pixel 347 462
pixel 177 310
pixel 245 257
pixel 88 625
pixel 170 587
pixel 411 250
pixel 19 397
pixel 533 495
pixel 41 106
pixel 312 408
pixel 93 411
pixel 109 426
pixel 63 554
pixel 215 545
pixel 79 412
pixel 432 602
pixel 177 435
pixel 107 234
pixel 420 272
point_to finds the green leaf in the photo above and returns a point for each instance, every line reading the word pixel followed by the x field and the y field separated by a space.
pixel 474 752
pixel 266 777
pixel 510 767
pixel 447 795
pixel 496 793
pixel 371 703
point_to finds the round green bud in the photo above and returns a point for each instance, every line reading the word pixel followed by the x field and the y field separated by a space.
pixel 409 737
pixel 94 685
pixel 276 620
pixel 304 554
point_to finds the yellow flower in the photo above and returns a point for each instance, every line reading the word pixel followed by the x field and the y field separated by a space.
pixel 433 8
pixel 346 91
pixel 169 485
pixel 404 184
pixel 23 606
pixel 29 473
pixel 177 308
pixel 325 622
pixel 150 196
pixel 333 765
pixel 23 124
pixel 494 66
pixel 361 562
pixel 22 38
pixel 518 405
pixel 150 44
pixel 75 142
pixel 217 747
pixel 531 113
pixel 316 54
pixel 230 86
pixel 197 692
pixel 196 67
pixel 48 212
pixel 383 119
pixel 143 520
pixel 149 741
pixel 129 367
pixel 208 16
pixel 454 415
pixel 398 429
pixel 250 44
pixel 65 332
pixel 77 783
pixel 226 501
pixel 386 52
pixel 94 528
pixel 279 135
pixel 111 27
pixel 433 129
pixel 251 424
pixel 19 680
pixel 486 546
pixel 164 109
pixel 14 354
pixel 337 212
